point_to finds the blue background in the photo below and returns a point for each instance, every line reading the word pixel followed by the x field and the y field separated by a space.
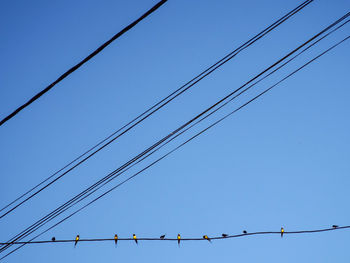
pixel 281 161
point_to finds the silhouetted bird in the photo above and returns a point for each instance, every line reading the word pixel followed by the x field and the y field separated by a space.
pixel 76 240
pixel 335 226
pixel 244 232
pixel 224 235
pixel 282 231
pixel 53 239
pixel 162 237
pixel 178 239
pixel 134 237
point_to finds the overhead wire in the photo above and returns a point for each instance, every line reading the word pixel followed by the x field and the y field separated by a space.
pixel 150 111
pixel 88 240
pixel 193 137
pixel 85 60
pixel 215 123
pixel 73 200
pixel 249 101
pixel 310 231
pixel 200 120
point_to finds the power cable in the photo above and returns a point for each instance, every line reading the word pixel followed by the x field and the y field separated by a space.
pixel 209 126
pixel 197 122
pixel 196 135
pixel 69 202
pixel 150 111
pixel 74 68
pixel 183 239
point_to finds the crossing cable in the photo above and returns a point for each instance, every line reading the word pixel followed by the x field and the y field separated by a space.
pixel 107 177
pixel 202 131
pixel 150 111
pixel 215 123
pixel 74 68
pixel 115 175
pixel 199 133
pixel 88 240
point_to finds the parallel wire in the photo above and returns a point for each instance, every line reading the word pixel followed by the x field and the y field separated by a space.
pixel 197 122
pixel 85 60
pixel 33 226
pixel 183 239
pixel 152 110
pixel 215 123
pixel 196 135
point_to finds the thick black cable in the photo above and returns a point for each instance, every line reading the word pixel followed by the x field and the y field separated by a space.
pixel 183 239
pixel 166 100
pixel 196 135
pixel 275 63
pixel 125 130
pixel 215 123
pixel 74 68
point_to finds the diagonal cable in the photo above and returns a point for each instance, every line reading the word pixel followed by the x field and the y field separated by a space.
pixel 148 112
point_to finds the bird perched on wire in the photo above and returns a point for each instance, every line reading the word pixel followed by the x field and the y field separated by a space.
pixel 115 239
pixel 335 226
pixel 245 232
pixel 162 237
pixel 282 231
pixel 76 240
pixel 53 239
pixel 224 235
pixel 135 238
pixel 178 239
pixel 207 238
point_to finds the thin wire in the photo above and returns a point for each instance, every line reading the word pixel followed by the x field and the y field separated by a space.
pixel 183 239
pixel 166 100
pixel 204 130
pixel 197 122
pixel 182 126
pixel 30 228
pixel 212 125
pixel 85 60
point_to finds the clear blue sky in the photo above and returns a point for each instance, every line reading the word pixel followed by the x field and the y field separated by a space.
pixel 282 161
